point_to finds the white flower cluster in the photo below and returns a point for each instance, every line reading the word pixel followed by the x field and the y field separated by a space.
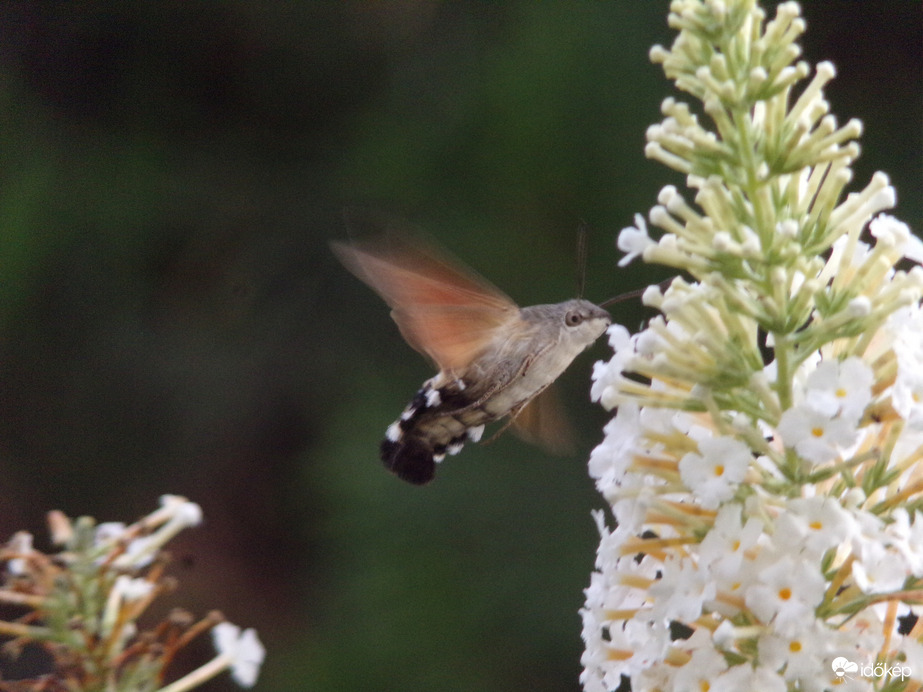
pixel 764 468
pixel 782 541
pixel 87 602
pixel 766 581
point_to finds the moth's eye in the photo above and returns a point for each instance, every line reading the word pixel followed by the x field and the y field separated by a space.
pixel 573 318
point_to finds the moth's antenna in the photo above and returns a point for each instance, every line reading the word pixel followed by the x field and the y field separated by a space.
pixel 581 257
pixel 621 297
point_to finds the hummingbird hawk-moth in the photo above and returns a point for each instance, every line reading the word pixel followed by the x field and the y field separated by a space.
pixel 495 359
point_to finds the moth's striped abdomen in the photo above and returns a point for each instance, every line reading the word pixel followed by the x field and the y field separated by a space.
pixel 435 423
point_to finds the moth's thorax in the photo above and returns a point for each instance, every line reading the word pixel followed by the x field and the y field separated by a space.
pixel 530 352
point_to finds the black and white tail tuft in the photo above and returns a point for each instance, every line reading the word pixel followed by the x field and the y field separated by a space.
pixel 425 433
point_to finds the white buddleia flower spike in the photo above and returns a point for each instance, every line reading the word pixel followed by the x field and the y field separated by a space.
pixel 763 464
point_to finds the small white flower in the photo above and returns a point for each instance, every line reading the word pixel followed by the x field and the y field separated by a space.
pixel 680 591
pixel 800 653
pixel 715 472
pixel 634 240
pixel 906 326
pixel 631 503
pixel 820 523
pixel 878 568
pixel 816 436
pixel 698 673
pixel 607 375
pixel 244 650
pixel 182 510
pixel 139 552
pixel 840 388
pixel 125 590
pixel 175 514
pixel 907 396
pixel 894 232
pixel 128 589
pixel 786 593
pixel 20 543
pixel 723 548
pixel 745 677
pixel 610 459
pixel 914 652
pixel 907 537
pixel 108 531
pixel 60 528
pixel 635 644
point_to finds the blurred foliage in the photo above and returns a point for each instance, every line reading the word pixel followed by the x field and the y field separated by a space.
pixel 171 319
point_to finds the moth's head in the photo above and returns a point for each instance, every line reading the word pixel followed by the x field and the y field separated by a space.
pixel 578 321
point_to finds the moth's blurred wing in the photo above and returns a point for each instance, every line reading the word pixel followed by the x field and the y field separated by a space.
pixel 543 422
pixel 443 310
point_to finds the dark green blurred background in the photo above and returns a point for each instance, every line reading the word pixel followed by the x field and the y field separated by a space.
pixel 171 319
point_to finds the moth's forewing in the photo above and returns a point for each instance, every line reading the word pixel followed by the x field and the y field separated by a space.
pixel 443 309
